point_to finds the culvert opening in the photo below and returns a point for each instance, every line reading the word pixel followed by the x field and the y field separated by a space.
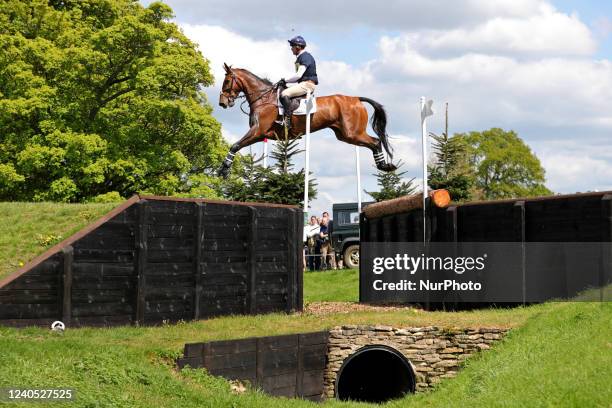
pixel 375 374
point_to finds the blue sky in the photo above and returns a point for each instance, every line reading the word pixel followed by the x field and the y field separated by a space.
pixel 539 67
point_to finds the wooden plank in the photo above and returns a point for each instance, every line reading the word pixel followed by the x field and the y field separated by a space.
pixel 104 255
pixel 141 262
pixel 193 350
pixel 299 264
pixel 101 309
pixel 30 311
pixel 313 357
pixel 309 339
pixel 170 256
pixel 605 275
pixel 291 284
pixel 197 267
pixel 520 236
pixel 252 273
pixel 273 343
pixel 313 383
pixel 67 284
pixel 170 231
pixel 451 224
pixel 193 362
pixel 236 360
pixel 230 346
pixel 259 368
pixel 299 371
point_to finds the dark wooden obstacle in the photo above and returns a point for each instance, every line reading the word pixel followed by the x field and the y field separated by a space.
pixel 582 219
pixel 288 366
pixel 156 259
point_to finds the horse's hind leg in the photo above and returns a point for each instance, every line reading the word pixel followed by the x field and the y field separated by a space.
pixel 372 143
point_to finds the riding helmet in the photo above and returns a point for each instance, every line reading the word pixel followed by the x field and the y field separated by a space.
pixel 298 40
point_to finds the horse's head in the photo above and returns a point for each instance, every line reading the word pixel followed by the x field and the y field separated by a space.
pixel 230 89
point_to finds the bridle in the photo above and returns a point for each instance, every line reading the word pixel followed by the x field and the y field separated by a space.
pixel 229 93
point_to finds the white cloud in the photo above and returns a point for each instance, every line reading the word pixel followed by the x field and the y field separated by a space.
pixel 526 67
pixel 547 33
pixel 273 18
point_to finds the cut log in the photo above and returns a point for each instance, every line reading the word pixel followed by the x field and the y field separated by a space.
pixel 439 198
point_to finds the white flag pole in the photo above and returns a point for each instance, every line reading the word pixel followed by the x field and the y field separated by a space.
pixel 265 153
pixel 425 112
pixel 307 158
pixel 358 179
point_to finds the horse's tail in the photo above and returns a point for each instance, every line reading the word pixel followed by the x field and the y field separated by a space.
pixel 379 124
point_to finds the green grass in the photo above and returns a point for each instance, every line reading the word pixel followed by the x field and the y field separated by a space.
pixel 557 355
pixel 27 229
pixel 331 286
pixel 560 356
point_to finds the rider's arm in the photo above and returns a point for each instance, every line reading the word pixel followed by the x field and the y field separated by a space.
pixel 298 74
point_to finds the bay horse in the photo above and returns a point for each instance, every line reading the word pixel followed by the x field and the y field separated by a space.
pixel 345 115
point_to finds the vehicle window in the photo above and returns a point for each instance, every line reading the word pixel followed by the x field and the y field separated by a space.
pixel 347 217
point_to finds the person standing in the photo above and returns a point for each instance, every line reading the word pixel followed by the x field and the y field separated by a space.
pixel 311 233
pixel 327 250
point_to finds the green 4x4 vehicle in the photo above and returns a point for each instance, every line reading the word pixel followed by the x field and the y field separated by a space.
pixel 345 233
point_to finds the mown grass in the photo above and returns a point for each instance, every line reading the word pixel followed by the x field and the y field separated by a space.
pixel 561 355
pixel 557 355
pixel 331 286
pixel 27 229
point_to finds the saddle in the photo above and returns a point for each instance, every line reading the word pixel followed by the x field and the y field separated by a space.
pixel 298 104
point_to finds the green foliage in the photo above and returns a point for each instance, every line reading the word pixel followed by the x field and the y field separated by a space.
pixel 276 184
pixel 505 166
pixel 100 96
pixel 451 168
pixel 391 185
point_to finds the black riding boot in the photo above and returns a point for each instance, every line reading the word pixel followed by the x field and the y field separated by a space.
pixel 286 102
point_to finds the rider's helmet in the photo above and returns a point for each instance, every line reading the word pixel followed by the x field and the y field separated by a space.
pixel 298 40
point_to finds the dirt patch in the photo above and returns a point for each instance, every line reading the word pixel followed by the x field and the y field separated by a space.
pixel 326 308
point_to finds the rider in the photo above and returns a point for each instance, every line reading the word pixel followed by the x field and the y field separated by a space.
pixel 304 79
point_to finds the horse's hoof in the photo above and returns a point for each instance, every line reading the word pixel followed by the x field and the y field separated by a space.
pixel 388 167
pixel 223 172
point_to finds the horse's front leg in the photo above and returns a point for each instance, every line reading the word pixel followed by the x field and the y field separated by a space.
pixel 252 136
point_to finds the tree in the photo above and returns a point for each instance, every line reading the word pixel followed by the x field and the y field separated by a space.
pixel 451 169
pixel 391 185
pixel 100 96
pixel 277 184
pixel 505 166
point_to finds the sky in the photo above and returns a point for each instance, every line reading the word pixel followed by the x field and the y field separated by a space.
pixel 539 67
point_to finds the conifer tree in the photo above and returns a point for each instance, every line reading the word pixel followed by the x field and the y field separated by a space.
pixel 451 168
pixel 391 185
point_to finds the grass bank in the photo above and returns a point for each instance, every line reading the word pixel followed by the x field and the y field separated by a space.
pixel 28 229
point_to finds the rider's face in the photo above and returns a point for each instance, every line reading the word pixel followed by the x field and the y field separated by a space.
pixel 295 49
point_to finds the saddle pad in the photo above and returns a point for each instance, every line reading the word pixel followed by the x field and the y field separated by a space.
pixel 301 109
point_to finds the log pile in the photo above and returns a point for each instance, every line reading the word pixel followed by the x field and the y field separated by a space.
pixel 439 198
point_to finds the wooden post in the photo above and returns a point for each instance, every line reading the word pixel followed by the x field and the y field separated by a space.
pixel 141 261
pixel 68 259
pixel 605 275
pixel 451 224
pixel 519 236
pixel 251 303
pixel 199 238
pixel 291 261
pixel 299 371
pixel 259 362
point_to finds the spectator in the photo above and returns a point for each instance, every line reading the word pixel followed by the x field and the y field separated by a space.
pixel 311 234
pixel 327 249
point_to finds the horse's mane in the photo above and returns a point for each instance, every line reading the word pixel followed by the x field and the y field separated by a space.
pixel 264 80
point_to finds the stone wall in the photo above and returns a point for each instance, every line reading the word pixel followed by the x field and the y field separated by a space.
pixel 434 353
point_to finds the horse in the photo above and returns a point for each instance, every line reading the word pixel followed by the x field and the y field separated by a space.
pixel 345 115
